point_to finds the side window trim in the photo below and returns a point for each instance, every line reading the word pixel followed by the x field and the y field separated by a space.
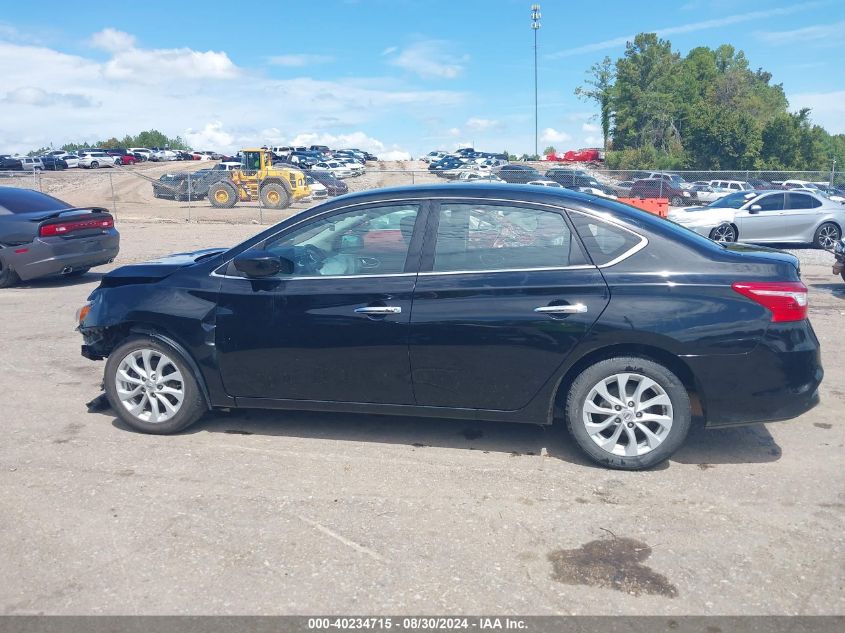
pixel 643 240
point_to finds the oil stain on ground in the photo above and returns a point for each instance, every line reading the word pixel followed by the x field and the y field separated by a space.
pixel 612 564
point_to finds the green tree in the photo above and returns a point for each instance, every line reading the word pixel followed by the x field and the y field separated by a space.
pixel 598 87
pixel 549 150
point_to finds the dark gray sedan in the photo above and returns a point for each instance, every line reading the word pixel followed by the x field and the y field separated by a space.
pixel 42 236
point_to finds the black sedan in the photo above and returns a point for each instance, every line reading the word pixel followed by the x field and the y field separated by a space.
pixel 42 236
pixel 493 302
pixel 520 174
pixel 334 186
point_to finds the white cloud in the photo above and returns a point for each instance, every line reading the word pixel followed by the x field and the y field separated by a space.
pixel 112 40
pixel 802 35
pixel 477 124
pixel 454 131
pixel 703 25
pixel 592 141
pixel 429 59
pixel 827 108
pixel 298 60
pixel 590 127
pixel 551 135
pixel 389 50
pixel 43 93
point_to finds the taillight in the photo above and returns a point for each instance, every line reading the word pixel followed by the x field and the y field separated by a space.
pixel 787 300
pixel 63 228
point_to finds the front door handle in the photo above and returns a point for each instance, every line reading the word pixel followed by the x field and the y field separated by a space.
pixel 379 310
pixel 575 308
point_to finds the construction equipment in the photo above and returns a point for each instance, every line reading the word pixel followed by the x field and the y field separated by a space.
pixel 258 179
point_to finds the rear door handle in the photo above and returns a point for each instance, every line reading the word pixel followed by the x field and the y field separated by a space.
pixel 379 310
pixel 575 308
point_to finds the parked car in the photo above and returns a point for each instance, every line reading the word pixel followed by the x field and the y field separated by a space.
pixel 708 193
pixel 602 190
pixel 163 155
pixel 318 189
pixel 517 173
pixel 95 160
pixel 500 287
pixel 731 185
pixel 657 188
pixel 51 162
pixel 124 158
pixel 10 163
pixel 188 185
pixel 71 160
pixel 143 152
pixel 334 186
pixel 337 169
pixel 356 166
pixel 42 236
pixel 757 183
pixel 543 182
pixel 800 217
pixel 433 157
pixel 30 163
pixel 478 176
pixel 571 178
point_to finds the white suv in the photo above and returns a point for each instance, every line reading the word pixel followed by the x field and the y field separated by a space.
pixel 95 160
pixel 732 185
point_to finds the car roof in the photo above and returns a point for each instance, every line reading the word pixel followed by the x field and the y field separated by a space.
pixel 18 198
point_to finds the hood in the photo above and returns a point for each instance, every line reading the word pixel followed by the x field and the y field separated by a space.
pixel 156 269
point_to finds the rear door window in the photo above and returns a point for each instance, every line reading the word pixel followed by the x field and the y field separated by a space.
pixel 803 201
pixel 478 237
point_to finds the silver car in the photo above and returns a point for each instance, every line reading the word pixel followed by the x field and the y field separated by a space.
pixel 800 217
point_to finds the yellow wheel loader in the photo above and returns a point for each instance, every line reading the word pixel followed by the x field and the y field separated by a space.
pixel 258 179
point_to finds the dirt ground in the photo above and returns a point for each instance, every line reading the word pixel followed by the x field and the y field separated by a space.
pixel 293 513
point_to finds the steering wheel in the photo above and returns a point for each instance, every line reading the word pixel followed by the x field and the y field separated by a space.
pixel 311 259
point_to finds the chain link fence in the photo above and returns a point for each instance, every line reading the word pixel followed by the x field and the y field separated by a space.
pixel 178 191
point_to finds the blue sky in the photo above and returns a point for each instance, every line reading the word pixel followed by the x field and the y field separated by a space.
pixel 395 76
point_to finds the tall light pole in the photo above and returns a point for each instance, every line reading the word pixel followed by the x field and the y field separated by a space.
pixel 535 26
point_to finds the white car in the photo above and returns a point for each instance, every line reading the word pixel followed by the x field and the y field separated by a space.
pixel 545 183
pixel 72 160
pixel 95 160
pixel 318 189
pixel 433 157
pixel 143 151
pixel 596 192
pixel 477 176
pixel 335 168
pixel 731 185
pixel 708 193
pixel 29 163
pixel 162 155
pixel 800 217
pixel 355 165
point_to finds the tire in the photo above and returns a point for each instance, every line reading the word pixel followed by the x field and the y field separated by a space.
pixel 724 233
pixel 676 201
pixel 8 277
pixel 122 377
pixel 222 195
pixel 95 164
pixel 827 235
pixel 659 383
pixel 275 196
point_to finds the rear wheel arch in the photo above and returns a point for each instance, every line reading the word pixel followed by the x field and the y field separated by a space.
pixel 649 352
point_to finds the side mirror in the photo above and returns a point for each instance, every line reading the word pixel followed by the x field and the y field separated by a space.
pixel 262 264
pixel 755 208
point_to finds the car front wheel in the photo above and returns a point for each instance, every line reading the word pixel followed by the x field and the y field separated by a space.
pixel 151 387
pixel 628 413
pixel 723 233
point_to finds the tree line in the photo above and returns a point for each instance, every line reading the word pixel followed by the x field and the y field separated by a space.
pixel 706 110
pixel 147 138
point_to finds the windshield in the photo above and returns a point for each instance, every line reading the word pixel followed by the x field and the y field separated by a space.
pixel 733 200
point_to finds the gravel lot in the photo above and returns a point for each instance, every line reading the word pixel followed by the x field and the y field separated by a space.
pixel 271 512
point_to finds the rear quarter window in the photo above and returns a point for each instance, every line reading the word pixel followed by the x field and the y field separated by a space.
pixel 605 242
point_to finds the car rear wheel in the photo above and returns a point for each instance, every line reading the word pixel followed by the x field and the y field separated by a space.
pixel 676 201
pixel 8 277
pixel 152 388
pixel 827 235
pixel 628 413
pixel 724 233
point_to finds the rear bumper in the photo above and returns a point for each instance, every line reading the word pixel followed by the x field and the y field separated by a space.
pixel 51 256
pixel 778 380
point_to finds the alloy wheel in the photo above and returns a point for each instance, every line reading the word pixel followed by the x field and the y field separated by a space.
pixel 150 386
pixel 627 414
pixel 724 233
pixel 828 236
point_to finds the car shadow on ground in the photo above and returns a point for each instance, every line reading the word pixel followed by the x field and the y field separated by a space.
pixel 752 444
pixel 836 290
pixel 61 282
